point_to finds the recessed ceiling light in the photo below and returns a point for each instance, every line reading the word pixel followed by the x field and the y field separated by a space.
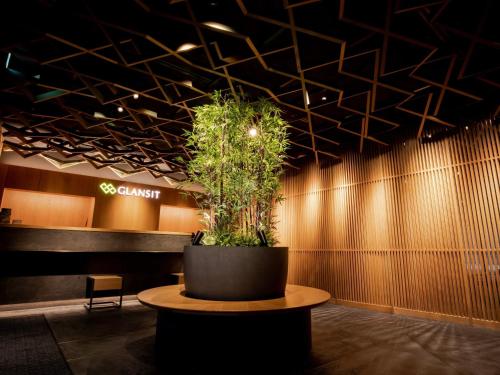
pixel 323 98
pixel 135 96
pixel 186 47
pixel 120 109
pixel 252 132
pixel 219 26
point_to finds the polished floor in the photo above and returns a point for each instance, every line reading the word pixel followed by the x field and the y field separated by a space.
pixel 345 341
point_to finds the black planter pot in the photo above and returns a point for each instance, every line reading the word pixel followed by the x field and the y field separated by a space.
pixel 235 273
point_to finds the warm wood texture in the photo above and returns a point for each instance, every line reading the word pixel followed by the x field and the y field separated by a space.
pixel 345 73
pixel 413 230
pixel 110 212
pixel 106 282
pixel 126 212
pixel 81 229
pixel 179 219
pixel 35 208
pixel 172 298
pixel 65 239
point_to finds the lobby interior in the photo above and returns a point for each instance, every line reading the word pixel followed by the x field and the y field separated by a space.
pixel 384 197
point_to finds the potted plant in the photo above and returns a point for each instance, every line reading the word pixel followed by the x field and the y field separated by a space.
pixel 237 154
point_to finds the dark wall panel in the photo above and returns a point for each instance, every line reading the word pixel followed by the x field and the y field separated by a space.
pixel 26 238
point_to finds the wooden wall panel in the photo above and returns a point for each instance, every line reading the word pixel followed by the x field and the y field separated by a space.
pixel 414 229
pixel 110 212
pixel 126 212
pixel 179 219
pixel 44 209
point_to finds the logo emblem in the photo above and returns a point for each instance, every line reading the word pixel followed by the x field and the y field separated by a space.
pixel 108 188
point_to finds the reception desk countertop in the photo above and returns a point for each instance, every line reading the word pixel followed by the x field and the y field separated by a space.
pixel 15 237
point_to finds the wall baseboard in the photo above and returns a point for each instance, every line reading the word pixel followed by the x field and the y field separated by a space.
pixel 420 314
pixel 31 308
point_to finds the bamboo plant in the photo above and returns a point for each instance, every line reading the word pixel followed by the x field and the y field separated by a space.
pixel 237 152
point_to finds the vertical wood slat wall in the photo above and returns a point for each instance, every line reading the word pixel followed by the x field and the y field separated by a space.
pixel 413 230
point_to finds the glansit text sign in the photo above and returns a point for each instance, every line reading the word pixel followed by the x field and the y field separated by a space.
pixel 109 189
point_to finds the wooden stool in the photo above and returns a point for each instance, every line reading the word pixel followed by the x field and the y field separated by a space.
pixel 104 283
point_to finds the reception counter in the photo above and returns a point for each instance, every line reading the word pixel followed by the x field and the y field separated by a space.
pixel 51 263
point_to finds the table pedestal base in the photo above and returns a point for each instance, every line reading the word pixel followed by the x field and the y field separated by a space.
pixel 234 339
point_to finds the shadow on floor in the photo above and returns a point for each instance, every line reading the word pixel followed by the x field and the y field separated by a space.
pixel 345 341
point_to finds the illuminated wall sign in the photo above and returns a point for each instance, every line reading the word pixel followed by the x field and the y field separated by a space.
pixel 109 189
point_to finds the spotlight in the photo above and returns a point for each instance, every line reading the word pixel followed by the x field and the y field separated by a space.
pixel 219 26
pixel 135 96
pixel 466 128
pixel 323 98
pixel 186 47
pixel 120 109
pixel 196 238
pixel 252 132
pixel 262 238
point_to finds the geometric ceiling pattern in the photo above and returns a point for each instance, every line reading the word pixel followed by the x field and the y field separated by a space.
pixel 113 83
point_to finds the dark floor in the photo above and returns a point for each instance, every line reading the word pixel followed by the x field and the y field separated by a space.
pixel 345 341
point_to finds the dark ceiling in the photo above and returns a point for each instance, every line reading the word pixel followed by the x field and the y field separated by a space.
pixel 350 74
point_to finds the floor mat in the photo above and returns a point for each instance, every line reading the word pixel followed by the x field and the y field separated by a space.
pixel 28 347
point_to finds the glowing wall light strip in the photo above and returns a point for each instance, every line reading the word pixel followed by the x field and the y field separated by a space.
pixel 8 60
pixel 109 189
pixel 62 164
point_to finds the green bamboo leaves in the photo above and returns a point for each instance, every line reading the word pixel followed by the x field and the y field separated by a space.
pixel 238 149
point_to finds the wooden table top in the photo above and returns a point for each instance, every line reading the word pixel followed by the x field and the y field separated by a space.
pixel 172 298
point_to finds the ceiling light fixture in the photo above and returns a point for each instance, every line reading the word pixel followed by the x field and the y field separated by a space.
pixel 99 115
pixel 323 98
pixel 307 99
pixel 219 26
pixel 187 83
pixel 252 132
pixel 186 47
pixel 135 96
pixel 149 113
pixel 120 109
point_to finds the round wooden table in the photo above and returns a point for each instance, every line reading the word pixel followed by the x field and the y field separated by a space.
pixel 221 333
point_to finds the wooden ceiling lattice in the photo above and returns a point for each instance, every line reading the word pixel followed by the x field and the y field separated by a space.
pixel 113 83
